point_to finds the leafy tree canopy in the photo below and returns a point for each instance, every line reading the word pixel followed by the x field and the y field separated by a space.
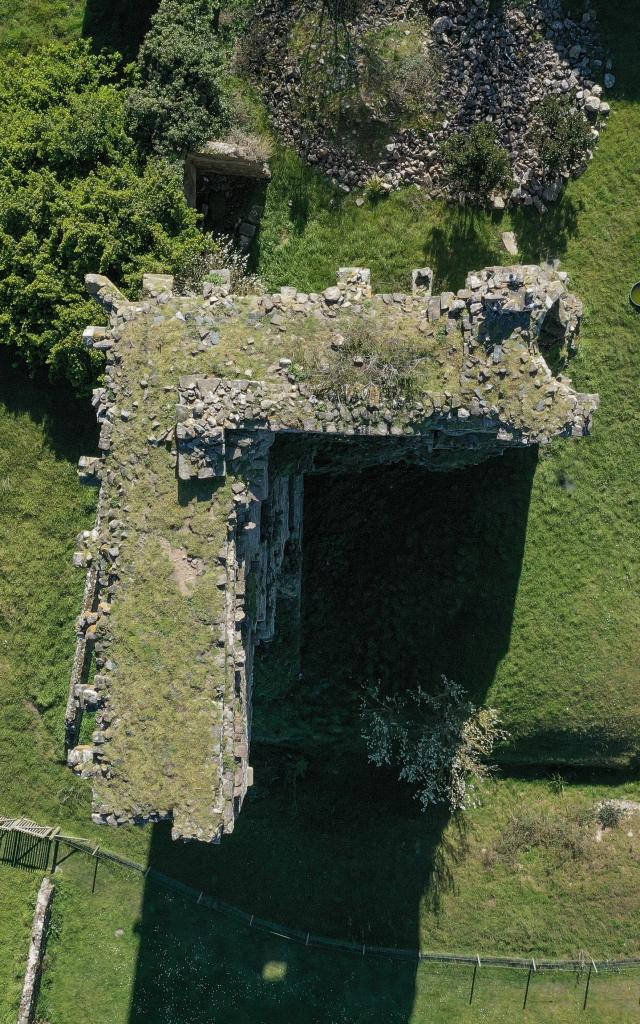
pixel 438 740
pixel 175 102
pixel 75 198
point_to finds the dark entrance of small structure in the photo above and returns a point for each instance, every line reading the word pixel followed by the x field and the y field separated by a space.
pixel 226 183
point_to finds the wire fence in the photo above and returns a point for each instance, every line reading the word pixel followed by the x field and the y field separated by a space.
pixel 41 849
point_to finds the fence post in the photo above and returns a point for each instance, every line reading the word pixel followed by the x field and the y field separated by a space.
pixel 592 967
pixel 526 991
pixel 473 980
pixel 95 870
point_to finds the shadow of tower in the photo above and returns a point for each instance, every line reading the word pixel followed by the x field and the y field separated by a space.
pixel 407 574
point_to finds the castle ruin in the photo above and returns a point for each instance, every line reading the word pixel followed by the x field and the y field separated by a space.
pixel 214 409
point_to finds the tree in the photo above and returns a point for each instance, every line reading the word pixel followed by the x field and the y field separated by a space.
pixel 562 136
pixel 438 740
pixel 175 101
pixel 475 163
pixel 75 198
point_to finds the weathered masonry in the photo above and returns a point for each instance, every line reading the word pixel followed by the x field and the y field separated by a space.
pixel 213 411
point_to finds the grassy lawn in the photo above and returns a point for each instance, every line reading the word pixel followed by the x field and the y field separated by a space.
pixel 192 965
pixel 116 25
pixel 18 891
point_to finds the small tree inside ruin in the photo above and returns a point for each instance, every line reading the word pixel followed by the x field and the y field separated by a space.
pixel 439 740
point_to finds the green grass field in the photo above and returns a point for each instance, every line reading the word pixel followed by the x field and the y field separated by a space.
pixel 116 25
pixel 192 965
pixel 18 891
pixel 549 635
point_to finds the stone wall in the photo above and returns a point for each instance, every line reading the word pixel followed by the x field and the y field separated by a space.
pixel 225 158
pixel 29 1001
pixel 264 527
pixel 79 693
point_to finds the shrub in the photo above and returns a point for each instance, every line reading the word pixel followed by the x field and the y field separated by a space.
pixel 175 102
pixel 475 164
pixel 215 254
pixel 74 199
pixel 610 814
pixel 562 136
pixel 374 188
pixel 439 740
pixel 366 363
pixel 564 834
pixel 557 784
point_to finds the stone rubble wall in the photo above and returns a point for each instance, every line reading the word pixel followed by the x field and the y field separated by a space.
pixel 266 521
pixel 33 973
pixel 81 661
pixel 496 303
pixel 224 158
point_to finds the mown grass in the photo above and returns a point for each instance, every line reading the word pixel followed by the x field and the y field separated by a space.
pixel 18 892
pixel 191 964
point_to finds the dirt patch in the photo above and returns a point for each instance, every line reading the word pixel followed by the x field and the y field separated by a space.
pixel 186 569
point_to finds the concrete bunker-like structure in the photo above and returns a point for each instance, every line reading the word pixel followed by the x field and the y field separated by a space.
pixel 200 523
pixel 224 182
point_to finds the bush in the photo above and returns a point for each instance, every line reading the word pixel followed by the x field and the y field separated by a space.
pixel 440 740
pixel 175 102
pixel 375 189
pixel 217 253
pixel 562 136
pixel 366 364
pixel 610 814
pixel 564 834
pixel 475 164
pixel 74 199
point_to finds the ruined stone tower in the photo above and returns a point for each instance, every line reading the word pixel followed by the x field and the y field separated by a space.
pixel 199 527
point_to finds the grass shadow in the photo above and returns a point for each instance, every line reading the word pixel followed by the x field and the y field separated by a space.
pixel 118 25
pixel 462 243
pixel 573 748
pixel 546 236
pixel 69 427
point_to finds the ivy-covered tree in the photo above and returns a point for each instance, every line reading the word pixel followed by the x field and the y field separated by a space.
pixel 76 198
pixel 176 101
